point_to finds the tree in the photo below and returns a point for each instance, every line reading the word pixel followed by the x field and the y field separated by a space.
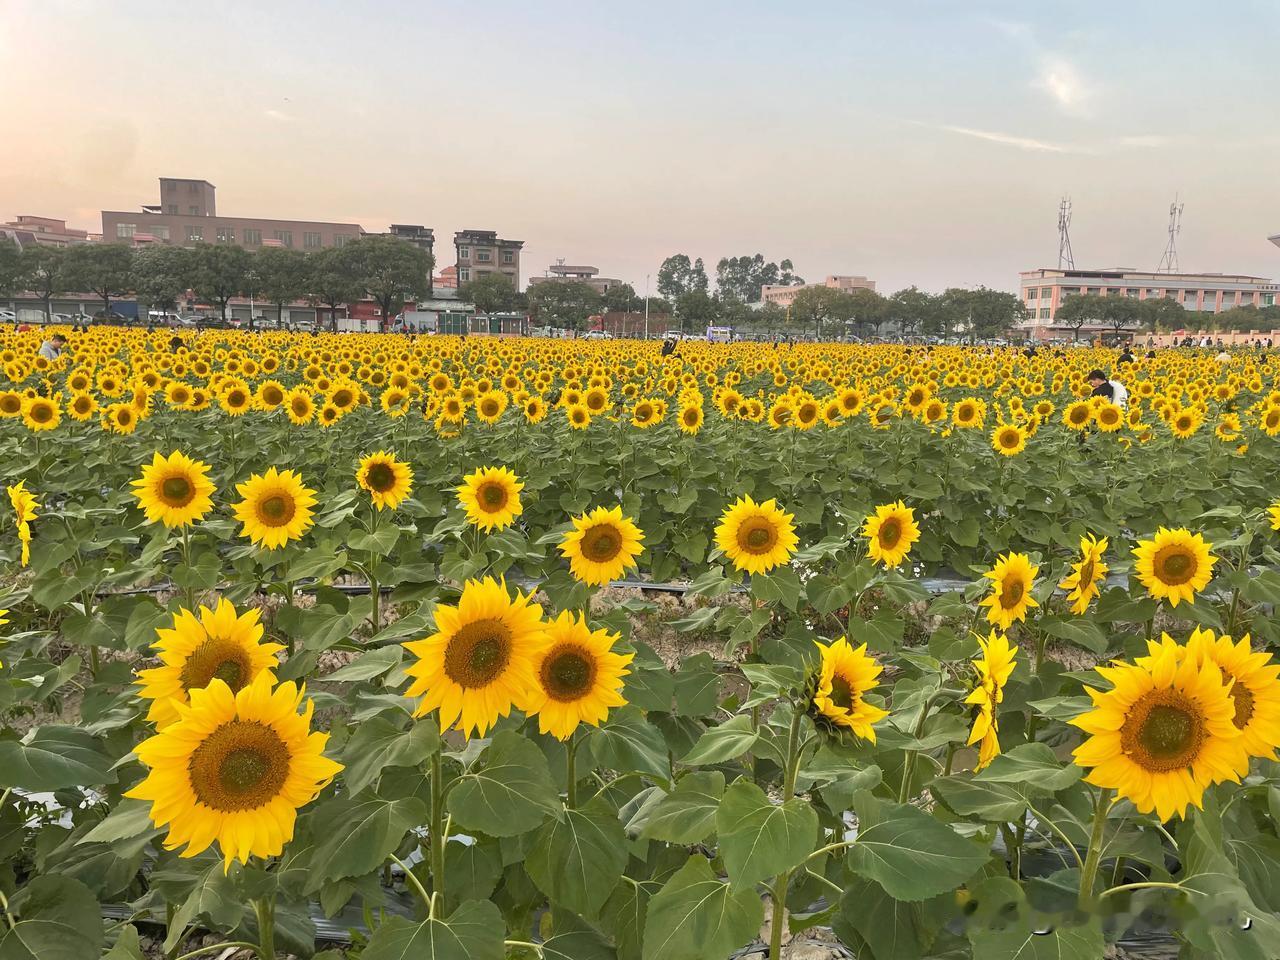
pixel 42 273
pixel 622 298
pixel 912 309
pixel 741 278
pixel 281 275
pixel 563 304
pixel 1121 314
pixel 1075 311
pixel 392 271
pixel 678 276
pixel 817 305
pixel 1162 314
pixel 491 293
pixel 105 269
pixel 161 274
pixel 334 279
pixel 10 267
pixel 990 313
pixel 865 308
pixel 696 310
pixel 220 272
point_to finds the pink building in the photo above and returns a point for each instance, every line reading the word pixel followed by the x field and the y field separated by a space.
pixel 783 296
pixel 27 229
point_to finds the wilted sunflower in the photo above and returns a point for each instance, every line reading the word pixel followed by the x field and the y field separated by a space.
pixel 41 413
pixel 1009 439
pixel 491 497
pixel 1082 583
pixel 24 505
pixel 480 661
pixel 1011 580
pixel 844 678
pixel 194 652
pixel 1175 565
pixel 1161 735
pixel 756 536
pixel 174 490
pixel 235 768
pixel 890 533
pixel 577 676
pixel 602 545
pixel 994 668
pixel 386 479
pixel 276 508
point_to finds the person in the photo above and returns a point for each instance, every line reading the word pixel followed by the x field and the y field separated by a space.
pixel 51 349
pixel 668 346
pixel 1224 356
pixel 1111 390
pixel 175 343
pixel 1125 357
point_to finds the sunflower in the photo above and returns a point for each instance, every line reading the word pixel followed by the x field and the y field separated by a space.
pixel 269 395
pixel 480 661
pixel 193 652
pixel 579 416
pixel 174 490
pixel 1082 584
pixel 491 497
pixel 10 403
pixel 299 405
pixel 844 678
pixel 601 545
pixel 235 768
pixel 490 406
pixel 1009 439
pixel 1162 734
pixel 1011 580
pixel 276 508
pixel 890 533
pixel 329 415
pixel 1109 418
pixel 1078 414
pixel 1175 565
pixel 577 676
pixel 1273 512
pixel 690 419
pixel 994 668
pixel 968 414
pixel 82 407
pixel 535 408
pixel 24 504
pixel 387 480
pixel 756 536
pixel 41 413
pixel 120 418
pixel 235 399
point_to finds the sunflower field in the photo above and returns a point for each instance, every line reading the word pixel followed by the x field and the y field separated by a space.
pixel 381 647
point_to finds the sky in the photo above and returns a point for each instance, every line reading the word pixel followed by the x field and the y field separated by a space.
pixel 912 142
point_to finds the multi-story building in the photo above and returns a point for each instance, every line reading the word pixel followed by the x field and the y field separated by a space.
pixel 784 296
pixel 482 252
pixel 27 230
pixel 187 214
pixel 560 272
pixel 419 236
pixel 1044 290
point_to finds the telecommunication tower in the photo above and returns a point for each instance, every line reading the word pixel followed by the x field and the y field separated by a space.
pixel 1065 259
pixel 1169 262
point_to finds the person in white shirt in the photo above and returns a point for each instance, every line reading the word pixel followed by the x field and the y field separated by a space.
pixel 51 349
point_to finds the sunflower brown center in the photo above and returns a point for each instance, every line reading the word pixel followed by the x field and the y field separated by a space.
pixel 1163 731
pixel 241 765
pixel 237 398
pixel 216 659
pixel 1086 572
pixel 1009 439
pixel 272 395
pixel 601 543
pixel 300 406
pixel 1243 698
pixel 1011 592
pixel 11 404
pixel 381 477
pixel 567 673
pixel 492 497
pixel 41 413
pixel 342 398
pixel 478 652
pixel 177 491
pixel 757 535
pixel 890 532
pixel 124 417
pixel 690 417
pixel 82 404
pixel 841 692
pixel 277 509
pixel 1174 566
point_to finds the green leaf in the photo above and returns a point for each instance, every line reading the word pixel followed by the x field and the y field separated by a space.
pixel 627 743
pixel 472 932
pixel 1034 767
pixel 214 896
pixel 372 664
pixel 131 818
pixel 357 834
pixel 378 743
pixel 578 859
pixel 759 839
pixel 624 916
pixel 53 758
pixel 687 815
pixel 1061 942
pixel 380 542
pixel 58 919
pixel 128 946
pixel 893 929
pixel 578 945
pixel 700 619
pixel 728 741
pixel 1084 633
pixel 782 584
pixel 472 869
pixel 508 792
pixel 992 802
pixel 696 916
pixel 909 853
pixel 697 686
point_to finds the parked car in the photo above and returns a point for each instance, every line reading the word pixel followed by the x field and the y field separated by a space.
pixel 598 335
pixel 110 317
pixel 8 316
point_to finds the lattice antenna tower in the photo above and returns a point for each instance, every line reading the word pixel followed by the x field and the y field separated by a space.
pixel 1169 262
pixel 1065 259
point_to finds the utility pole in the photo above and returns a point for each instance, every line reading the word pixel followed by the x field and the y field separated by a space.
pixel 646 306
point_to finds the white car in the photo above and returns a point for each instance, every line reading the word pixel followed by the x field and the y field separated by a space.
pixel 7 316
pixel 598 335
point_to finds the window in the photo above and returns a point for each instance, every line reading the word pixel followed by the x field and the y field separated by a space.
pixel 464 274
pixel 1210 300
pixel 193 210
pixel 285 237
pixel 1268 299
pixel 1033 293
pixel 484 256
pixel 311 240
pixel 194 233
pixel 510 276
pixel 252 237
pixel 226 235
pixel 1132 292
pixel 124 231
pixel 1044 313
pixel 483 273
pixel 508 256
pixel 1229 299
pixel 464 253
pixel 193 187
pixel 342 239
pixel 1093 291
pixel 159 232
pixel 1113 291
pixel 1189 297
pixel 171 209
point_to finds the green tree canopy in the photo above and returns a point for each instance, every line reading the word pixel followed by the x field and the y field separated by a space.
pixel 740 278
pixel 334 279
pixel 220 272
pixel 818 305
pixel 491 293
pixel 105 269
pixel 41 272
pixel 677 276
pixel 10 266
pixel 392 271
pixel 161 274
pixel 280 275
pixel 1076 310
pixel 563 304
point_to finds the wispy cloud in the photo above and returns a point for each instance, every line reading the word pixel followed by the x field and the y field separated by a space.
pixel 1036 145
pixel 1011 140
pixel 279 116
pixel 1065 85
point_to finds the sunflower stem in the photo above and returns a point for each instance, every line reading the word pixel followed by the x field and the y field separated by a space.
pixel 570 772
pixel 909 761
pixel 189 591
pixel 437 833
pixel 1093 858
pixel 778 923
pixel 375 594
pixel 265 908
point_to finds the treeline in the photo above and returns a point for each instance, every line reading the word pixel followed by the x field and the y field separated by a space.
pixel 385 269
pixel 1127 314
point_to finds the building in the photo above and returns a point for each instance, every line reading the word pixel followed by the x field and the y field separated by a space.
pixel 560 272
pixel 1044 290
pixel 481 252
pixel 785 296
pixel 27 230
pixel 419 236
pixel 187 214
